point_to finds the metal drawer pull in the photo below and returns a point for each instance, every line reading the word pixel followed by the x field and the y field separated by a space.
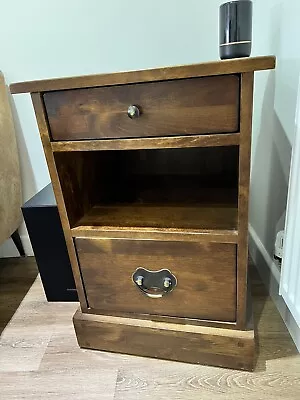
pixel 154 284
pixel 133 111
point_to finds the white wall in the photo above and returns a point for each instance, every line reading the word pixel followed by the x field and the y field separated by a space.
pixel 277 23
pixel 48 39
pixel 75 37
pixel 274 115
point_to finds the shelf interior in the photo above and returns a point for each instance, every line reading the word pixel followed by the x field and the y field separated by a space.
pixel 194 189
pixel 180 216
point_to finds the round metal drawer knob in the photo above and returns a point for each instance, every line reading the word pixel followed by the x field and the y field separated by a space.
pixel 133 112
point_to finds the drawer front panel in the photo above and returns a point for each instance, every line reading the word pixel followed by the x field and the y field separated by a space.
pixel 178 107
pixel 205 273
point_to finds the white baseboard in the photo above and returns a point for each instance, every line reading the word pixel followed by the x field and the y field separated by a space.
pixel 270 274
pixel 273 266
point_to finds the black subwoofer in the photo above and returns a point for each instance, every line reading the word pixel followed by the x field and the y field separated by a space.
pixel 49 246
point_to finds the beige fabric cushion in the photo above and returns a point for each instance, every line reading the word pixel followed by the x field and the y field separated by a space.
pixel 10 183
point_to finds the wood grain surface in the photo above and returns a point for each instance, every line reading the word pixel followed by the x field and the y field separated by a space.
pixel 243 196
pixel 155 191
pixel 77 177
pixel 197 217
pixel 219 347
pixel 220 67
pixel 177 107
pixel 73 171
pixel 223 139
pixel 207 175
pixel 168 319
pixel 187 235
pixel 40 357
pixel 206 275
pixel 193 189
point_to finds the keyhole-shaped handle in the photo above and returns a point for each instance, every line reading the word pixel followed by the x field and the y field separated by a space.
pixel 154 284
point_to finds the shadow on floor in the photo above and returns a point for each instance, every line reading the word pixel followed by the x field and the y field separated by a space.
pixel 16 278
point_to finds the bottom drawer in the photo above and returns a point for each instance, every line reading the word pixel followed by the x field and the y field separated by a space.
pixel 197 280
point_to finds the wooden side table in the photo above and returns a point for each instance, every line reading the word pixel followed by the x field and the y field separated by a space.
pixel 150 170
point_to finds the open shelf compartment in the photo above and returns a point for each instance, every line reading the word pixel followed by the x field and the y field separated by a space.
pixel 188 189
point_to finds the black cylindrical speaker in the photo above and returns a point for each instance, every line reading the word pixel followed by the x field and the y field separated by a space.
pixel 235 29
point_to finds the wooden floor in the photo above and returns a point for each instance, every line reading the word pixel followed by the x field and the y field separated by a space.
pixel 40 359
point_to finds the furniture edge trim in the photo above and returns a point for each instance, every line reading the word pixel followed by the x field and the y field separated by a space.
pixel 210 140
pixel 224 67
pixel 246 111
pixel 39 111
pixel 217 236
pixel 164 318
pixel 145 323
pixel 221 347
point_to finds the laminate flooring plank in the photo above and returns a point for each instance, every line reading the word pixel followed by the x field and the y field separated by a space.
pixel 25 337
pixel 40 359
pixel 54 385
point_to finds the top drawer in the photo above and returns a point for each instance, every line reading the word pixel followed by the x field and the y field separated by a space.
pixel 177 107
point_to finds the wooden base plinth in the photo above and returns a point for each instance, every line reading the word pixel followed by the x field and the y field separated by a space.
pixel 187 343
